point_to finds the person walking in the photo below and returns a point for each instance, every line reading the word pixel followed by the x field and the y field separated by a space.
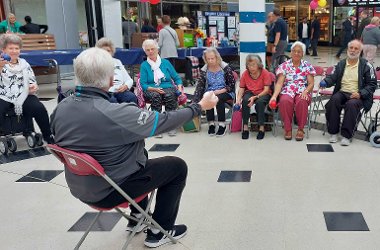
pixel 315 34
pixel 348 30
pixel 304 32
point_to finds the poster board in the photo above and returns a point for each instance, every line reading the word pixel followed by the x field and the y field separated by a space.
pixel 218 24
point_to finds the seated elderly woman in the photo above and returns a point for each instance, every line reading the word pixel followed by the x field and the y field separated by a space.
pixel 159 80
pixel 254 89
pixel 122 82
pixel 295 82
pixel 216 76
pixel 18 87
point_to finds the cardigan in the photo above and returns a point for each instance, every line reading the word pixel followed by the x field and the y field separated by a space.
pixel 147 78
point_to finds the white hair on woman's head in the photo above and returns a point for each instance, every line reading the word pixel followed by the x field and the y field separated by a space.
pixel 149 42
pixel 94 67
pixel 106 42
pixel 302 45
pixel 216 53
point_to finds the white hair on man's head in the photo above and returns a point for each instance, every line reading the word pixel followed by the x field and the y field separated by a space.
pixel 94 67
pixel 302 45
pixel 356 41
pixel 149 42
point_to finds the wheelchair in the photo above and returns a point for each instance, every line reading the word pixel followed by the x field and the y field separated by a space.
pixel 17 125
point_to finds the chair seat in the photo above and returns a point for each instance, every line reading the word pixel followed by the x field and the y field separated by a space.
pixel 326 92
pixel 376 97
pixel 122 205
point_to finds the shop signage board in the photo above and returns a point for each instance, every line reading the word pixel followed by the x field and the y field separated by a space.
pixel 356 3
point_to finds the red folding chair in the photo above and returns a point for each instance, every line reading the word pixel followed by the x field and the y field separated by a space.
pixel 84 165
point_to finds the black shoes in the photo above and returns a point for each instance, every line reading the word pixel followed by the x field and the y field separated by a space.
pixel 260 135
pixel 221 131
pixel 132 224
pixel 155 240
pixel 211 130
pixel 245 135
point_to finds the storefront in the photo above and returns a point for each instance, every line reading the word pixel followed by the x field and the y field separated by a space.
pixel 345 8
pixel 294 11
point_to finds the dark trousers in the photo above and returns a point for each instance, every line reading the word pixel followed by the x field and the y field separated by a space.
pixel 167 175
pixel 32 108
pixel 126 96
pixel 169 99
pixel 344 46
pixel 314 45
pixel 220 108
pixel 306 41
pixel 259 106
pixel 352 107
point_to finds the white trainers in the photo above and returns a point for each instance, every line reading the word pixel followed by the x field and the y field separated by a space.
pixel 172 132
pixel 333 138
pixel 345 142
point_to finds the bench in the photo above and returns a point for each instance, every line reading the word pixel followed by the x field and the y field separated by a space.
pixel 44 74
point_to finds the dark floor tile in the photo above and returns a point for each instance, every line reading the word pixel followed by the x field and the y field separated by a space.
pixel 164 147
pixel 106 222
pixel 320 148
pixel 23 155
pixel 235 176
pixel 40 176
pixel 345 221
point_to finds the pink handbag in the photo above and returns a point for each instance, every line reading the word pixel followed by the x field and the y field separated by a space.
pixel 236 121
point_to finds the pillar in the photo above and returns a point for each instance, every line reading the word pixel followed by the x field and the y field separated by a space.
pixel 252 29
pixel 111 11
pixel 61 18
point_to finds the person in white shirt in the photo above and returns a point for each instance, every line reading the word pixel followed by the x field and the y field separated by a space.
pixel 304 33
pixel 122 82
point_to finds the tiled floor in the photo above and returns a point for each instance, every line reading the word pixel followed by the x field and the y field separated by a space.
pixel 269 194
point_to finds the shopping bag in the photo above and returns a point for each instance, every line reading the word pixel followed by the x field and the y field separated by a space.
pixel 193 125
pixel 236 121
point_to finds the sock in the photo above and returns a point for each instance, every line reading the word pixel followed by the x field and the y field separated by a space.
pixel 211 123
pixel 155 230
pixel 222 124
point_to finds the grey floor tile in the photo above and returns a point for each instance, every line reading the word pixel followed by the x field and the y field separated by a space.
pixel 164 147
pixel 345 221
pixel 320 148
pixel 106 222
pixel 40 176
pixel 235 176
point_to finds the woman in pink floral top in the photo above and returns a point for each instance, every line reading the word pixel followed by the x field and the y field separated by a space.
pixel 295 82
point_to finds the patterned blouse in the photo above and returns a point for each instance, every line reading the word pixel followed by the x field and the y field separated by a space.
pixel 295 78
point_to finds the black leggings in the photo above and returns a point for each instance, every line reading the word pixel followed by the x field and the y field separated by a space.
pixel 220 108
pixel 260 108
pixel 167 174
pixel 32 108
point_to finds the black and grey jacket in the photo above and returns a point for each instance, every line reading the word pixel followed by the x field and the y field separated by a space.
pixel 366 80
pixel 202 84
pixel 111 133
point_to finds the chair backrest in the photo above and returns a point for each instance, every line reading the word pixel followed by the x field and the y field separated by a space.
pixel 77 163
pixel 378 77
pixel 320 71
pixel 330 70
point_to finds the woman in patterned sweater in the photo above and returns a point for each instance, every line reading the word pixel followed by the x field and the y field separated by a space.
pixel 18 87
pixel 216 76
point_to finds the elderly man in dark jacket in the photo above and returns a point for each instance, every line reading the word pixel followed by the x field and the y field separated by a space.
pixel 355 82
pixel 114 134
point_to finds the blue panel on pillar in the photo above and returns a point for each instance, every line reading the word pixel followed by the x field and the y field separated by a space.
pixel 252 47
pixel 252 17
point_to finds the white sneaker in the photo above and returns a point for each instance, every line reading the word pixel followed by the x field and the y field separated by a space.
pixel 159 136
pixel 172 132
pixel 333 138
pixel 345 142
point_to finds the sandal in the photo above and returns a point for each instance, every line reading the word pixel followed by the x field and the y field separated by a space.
pixel 288 135
pixel 300 135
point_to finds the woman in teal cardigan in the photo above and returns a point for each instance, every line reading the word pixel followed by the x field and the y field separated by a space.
pixel 159 81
